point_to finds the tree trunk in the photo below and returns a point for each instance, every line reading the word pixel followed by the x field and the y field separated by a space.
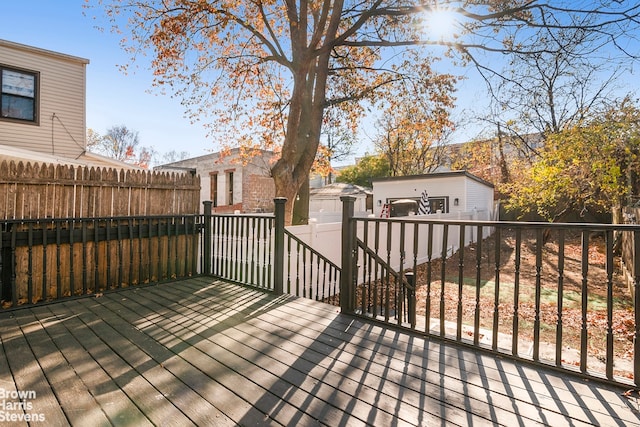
pixel 301 205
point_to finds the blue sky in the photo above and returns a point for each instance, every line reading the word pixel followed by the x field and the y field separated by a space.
pixel 113 98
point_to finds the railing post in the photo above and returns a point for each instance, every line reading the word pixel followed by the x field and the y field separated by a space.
pixel 347 289
pixel 278 259
pixel 636 306
pixel 206 252
pixel 411 298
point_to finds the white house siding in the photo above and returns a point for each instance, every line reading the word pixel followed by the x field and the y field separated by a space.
pixel 62 89
pixel 479 196
pixel 469 191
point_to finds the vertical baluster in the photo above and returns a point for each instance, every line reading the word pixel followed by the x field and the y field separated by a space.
pixel 516 293
pixel 476 319
pixel 288 264
pixel 443 277
pixel 298 270
pixel 335 280
pixel 265 253
pixel 400 290
pixel 14 288
pixel 108 225
pixel 96 256
pixel 176 239
pixel 215 249
pixel 413 303
pixel 161 266
pixel 119 249
pixel 83 226
pixel 238 239
pixel 377 297
pixel 85 257
pixel 253 250
pixel 150 262
pixel 609 247
pixel 230 247
pixel 30 263
pixel 584 335
pixel 271 253
pixel 309 269
pixel 538 294
pixel 387 280
pixel 58 260
pixel 131 251
pixel 460 281
pixel 228 228
pixel 366 285
pixel 320 279
pixel 150 266
pixel 318 292
pixel 72 278
pixel 560 300
pixel 428 297
pixel 45 264
pixel 141 278
pixel 306 291
pixel 313 275
pixel 496 299
pixel 245 238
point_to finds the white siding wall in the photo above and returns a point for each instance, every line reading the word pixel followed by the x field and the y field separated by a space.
pixel 470 193
pixel 478 196
pixel 452 186
pixel 62 88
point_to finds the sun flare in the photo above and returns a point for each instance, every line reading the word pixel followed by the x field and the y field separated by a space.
pixel 440 23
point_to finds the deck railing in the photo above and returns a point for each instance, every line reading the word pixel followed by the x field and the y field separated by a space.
pixel 46 259
pixel 553 294
pixel 257 250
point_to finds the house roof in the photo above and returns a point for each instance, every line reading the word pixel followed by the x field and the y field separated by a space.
pixel 40 51
pixel 434 175
pixel 218 154
pixel 339 189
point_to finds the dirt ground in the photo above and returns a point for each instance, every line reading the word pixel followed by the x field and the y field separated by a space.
pixel 558 276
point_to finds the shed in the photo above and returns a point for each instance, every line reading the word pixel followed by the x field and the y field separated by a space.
pixel 327 198
pixel 452 192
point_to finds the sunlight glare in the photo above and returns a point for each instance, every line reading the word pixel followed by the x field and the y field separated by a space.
pixel 440 23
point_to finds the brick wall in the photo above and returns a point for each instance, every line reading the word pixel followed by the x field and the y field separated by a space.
pixel 258 192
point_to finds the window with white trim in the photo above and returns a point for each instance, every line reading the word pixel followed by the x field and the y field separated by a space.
pixel 18 95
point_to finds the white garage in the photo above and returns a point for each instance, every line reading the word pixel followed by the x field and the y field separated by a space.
pixel 453 192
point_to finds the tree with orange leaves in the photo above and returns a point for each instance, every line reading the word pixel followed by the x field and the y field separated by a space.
pixel 267 71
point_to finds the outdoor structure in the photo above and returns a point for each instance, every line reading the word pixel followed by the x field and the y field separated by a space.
pixel 448 192
pixel 326 200
pixel 43 113
pixel 43 100
pixel 233 181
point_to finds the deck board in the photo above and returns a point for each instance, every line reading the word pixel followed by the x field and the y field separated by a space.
pixel 206 352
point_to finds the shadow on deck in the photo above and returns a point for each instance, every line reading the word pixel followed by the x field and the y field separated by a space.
pixel 206 352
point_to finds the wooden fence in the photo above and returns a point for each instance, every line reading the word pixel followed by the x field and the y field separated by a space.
pixel 70 230
pixel 30 191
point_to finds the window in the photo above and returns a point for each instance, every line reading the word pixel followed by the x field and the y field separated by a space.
pixel 214 188
pixel 18 93
pixel 439 204
pixel 229 187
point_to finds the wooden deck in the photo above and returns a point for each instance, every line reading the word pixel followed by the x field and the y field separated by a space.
pixel 206 352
